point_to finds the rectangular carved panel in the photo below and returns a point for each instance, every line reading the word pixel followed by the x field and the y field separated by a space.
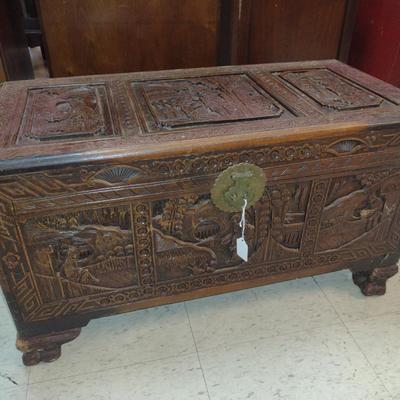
pixel 203 100
pixel 66 112
pixel 82 253
pixel 359 210
pixel 330 90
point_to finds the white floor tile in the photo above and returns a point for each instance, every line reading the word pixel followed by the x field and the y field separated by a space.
pixel 351 304
pixel 177 378
pixel 9 355
pixel 121 340
pixel 259 313
pixel 2 300
pixel 379 339
pixel 322 364
pixel 16 394
pixel 12 377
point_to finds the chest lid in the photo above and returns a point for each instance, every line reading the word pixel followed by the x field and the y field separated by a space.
pixel 170 113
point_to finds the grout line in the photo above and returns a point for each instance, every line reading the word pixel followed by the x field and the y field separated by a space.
pixel 27 384
pixel 110 369
pixel 354 340
pixel 197 351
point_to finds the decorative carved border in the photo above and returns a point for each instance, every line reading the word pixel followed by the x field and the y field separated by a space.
pixel 83 178
pixel 313 216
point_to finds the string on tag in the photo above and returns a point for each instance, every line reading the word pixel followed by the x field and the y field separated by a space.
pixel 242 222
pixel 241 246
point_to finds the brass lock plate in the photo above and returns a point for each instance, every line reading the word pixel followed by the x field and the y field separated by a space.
pixel 236 183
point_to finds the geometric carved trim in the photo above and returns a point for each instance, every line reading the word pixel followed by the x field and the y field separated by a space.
pixel 75 179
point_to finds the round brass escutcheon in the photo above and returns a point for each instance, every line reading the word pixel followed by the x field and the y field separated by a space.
pixel 236 183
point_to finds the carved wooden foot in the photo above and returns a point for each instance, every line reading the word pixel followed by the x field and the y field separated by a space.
pixel 45 348
pixel 373 282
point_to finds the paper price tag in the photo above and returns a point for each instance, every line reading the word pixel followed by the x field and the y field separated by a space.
pixel 242 248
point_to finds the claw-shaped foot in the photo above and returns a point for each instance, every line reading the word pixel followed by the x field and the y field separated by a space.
pixel 373 282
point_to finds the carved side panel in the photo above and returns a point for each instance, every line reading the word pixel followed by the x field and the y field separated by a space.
pixel 82 253
pixel 15 270
pixel 66 112
pixel 359 210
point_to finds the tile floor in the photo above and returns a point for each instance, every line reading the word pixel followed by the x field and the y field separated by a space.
pixel 314 339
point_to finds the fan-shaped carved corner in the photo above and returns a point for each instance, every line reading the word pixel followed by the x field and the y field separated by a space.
pixel 119 174
pixel 347 146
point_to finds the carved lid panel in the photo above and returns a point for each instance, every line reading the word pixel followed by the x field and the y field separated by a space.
pixel 142 115
pixel 66 113
pixel 206 100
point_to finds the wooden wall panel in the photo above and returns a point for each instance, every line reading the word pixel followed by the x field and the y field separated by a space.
pixel 293 30
pixel 106 36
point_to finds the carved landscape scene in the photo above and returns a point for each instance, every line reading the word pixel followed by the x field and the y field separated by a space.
pixel 82 253
pixel 359 208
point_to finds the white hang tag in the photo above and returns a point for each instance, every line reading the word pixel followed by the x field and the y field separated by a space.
pixel 242 248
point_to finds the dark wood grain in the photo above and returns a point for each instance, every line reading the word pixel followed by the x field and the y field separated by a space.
pixel 294 30
pixel 107 185
pixel 106 36
pixel 2 72
pixel 14 53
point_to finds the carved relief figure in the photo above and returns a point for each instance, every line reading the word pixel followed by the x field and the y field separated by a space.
pixel 82 253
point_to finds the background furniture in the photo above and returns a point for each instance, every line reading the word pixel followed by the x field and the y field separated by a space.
pixel 15 62
pixel 104 36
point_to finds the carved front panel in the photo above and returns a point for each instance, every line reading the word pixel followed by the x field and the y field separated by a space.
pixel 193 237
pixel 66 112
pixel 100 256
pixel 330 90
pixel 202 100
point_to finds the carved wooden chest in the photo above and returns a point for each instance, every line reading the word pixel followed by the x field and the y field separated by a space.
pixel 118 192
